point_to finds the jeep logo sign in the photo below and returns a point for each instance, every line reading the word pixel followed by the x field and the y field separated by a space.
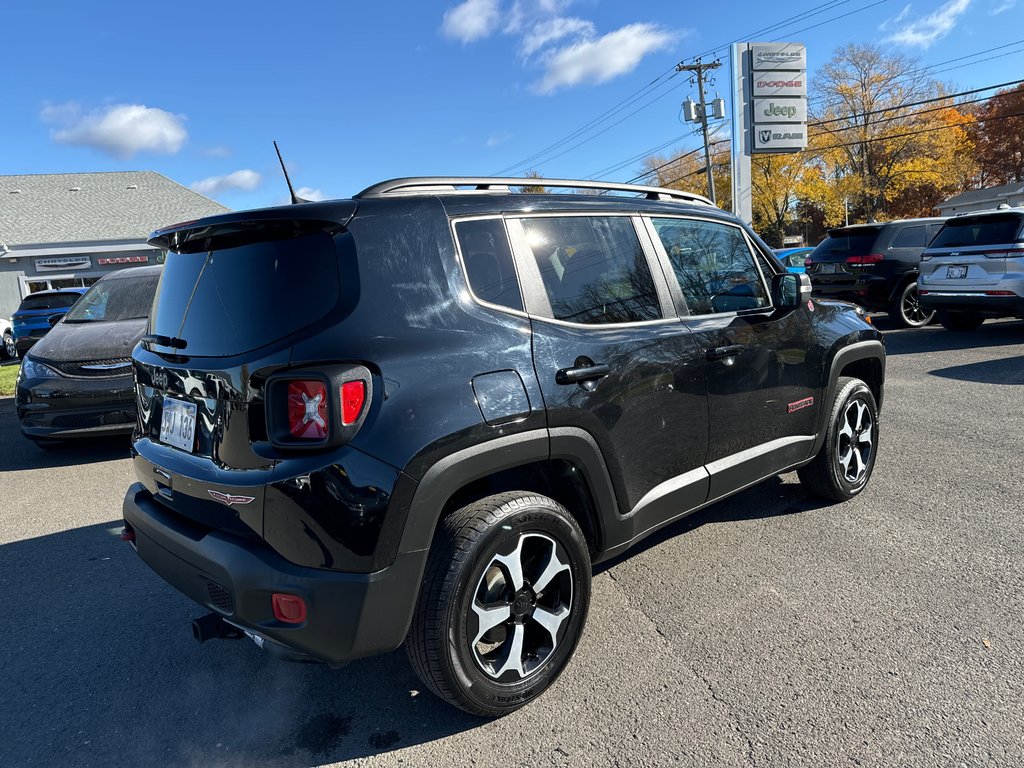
pixel 780 111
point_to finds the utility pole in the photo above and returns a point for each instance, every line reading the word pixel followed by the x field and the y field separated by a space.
pixel 698 69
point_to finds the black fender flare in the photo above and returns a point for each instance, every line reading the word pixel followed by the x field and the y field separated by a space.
pixel 861 350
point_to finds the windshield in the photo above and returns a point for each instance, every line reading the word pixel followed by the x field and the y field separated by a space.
pixel 120 298
pixel 990 230
pixel 49 301
pixel 847 242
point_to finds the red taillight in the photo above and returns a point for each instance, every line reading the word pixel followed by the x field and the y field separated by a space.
pixel 308 409
pixel 353 394
pixel 1000 293
pixel 290 609
pixel 807 263
pixel 127 534
pixel 871 258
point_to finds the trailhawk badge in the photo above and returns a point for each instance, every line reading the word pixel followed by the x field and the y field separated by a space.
pixel 227 498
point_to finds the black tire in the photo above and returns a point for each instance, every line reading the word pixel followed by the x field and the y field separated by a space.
pixel 9 351
pixel 961 321
pixel 906 310
pixel 448 646
pixel 843 465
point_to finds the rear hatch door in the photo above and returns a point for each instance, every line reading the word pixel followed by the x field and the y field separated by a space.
pixel 974 252
pixel 841 258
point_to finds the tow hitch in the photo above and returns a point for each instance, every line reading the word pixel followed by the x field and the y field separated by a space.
pixel 213 627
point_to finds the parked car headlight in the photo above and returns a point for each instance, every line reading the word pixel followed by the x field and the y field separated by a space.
pixel 33 369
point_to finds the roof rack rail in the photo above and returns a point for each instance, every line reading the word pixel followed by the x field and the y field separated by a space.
pixel 432 185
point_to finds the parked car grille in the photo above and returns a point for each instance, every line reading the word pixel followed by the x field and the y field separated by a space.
pixel 220 598
pixel 109 367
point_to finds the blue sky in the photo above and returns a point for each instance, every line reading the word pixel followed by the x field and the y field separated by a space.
pixel 360 92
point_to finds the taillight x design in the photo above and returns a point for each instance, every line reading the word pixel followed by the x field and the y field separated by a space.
pixel 316 408
pixel 308 410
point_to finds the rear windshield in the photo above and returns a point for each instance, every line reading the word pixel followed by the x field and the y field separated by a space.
pixel 991 230
pixel 53 301
pixel 121 298
pixel 228 301
pixel 848 242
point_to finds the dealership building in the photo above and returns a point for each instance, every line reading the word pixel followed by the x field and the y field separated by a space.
pixel 69 229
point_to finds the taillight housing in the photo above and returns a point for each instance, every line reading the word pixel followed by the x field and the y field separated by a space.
pixel 870 258
pixel 312 409
pixel 807 263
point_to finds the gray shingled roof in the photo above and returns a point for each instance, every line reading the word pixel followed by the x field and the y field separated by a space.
pixel 121 205
pixel 982 195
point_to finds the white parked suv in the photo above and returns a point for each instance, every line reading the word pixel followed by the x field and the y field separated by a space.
pixel 974 269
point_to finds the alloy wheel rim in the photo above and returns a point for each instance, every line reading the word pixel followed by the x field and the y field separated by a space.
pixel 855 442
pixel 913 312
pixel 9 346
pixel 520 608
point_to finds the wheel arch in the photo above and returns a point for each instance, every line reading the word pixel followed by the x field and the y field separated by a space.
pixel 864 360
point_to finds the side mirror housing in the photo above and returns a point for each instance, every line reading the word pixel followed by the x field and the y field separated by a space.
pixel 790 290
pixel 54 319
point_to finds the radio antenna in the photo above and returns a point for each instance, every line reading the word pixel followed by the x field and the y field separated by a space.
pixel 295 198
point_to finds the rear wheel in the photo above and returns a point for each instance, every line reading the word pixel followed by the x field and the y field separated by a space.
pixel 503 603
pixel 961 321
pixel 906 308
pixel 844 463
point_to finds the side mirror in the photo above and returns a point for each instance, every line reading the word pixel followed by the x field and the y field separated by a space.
pixel 54 319
pixel 790 290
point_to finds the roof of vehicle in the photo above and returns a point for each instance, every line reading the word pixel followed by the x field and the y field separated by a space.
pixel 55 291
pixel 120 274
pixel 1018 211
pixel 879 224
pixel 459 195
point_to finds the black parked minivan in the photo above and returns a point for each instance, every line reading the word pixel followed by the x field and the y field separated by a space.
pixel 420 415
pixel 875 266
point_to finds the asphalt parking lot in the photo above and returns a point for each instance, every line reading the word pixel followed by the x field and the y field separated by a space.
pixel 768 630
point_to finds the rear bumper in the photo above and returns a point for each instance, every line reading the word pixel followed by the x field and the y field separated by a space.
pixel 867 291
pixel 75 408
pixel 974 301
pixel 349 615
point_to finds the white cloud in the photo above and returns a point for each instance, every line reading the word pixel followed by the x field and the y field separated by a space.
pixel 551 31
pixel 309 193
pixel 927 29
pixel 220 151
pixel 599 60
pixel 496 139
pixel 524 12
pixel 1001 7
pixel 244 180
pixel 121 130
pixel 471 20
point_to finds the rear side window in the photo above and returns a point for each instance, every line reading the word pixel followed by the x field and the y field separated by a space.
pixel 593 269
pixel 713 264
pixel 990 230
pixel 53 301
pixel 848 242
pixel 232 300
pixel 911 237
pixel 488 260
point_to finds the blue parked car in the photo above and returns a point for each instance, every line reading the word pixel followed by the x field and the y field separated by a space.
pixel 793 258
pixel 38 313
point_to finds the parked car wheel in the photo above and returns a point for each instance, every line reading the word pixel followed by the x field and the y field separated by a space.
pixel 10 349
pixel 843 465
pixel 961 321
pixel 906 308
pixel 503 603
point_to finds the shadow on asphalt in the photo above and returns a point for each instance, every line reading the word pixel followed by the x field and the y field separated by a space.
pixel 935 338
pixel 18 452
pixel 1009 370
pixel 102 670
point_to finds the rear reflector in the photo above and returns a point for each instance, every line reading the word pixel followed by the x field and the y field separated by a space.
pixel 307 409
pixel 290 609
pixel 871 258
pixel 353 393
pixel 127 534
pixel 1000 293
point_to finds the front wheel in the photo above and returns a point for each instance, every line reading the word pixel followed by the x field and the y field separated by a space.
pixel 503 603
pixel 10 349
pixel 907 311
pixel 961 321
pixel 843 465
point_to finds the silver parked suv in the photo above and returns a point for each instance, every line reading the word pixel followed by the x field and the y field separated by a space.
pixel 974 269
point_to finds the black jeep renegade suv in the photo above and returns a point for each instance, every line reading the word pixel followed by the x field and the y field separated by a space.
pixel 422 414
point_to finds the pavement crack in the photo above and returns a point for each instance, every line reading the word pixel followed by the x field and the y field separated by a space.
pixel 730 709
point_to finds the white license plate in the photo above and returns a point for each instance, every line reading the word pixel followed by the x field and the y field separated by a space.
pixel 956 273
pixel 830 268
pixel 178 424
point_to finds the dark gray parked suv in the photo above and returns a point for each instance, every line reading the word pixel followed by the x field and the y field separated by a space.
pixel 974 269
pixel 875 266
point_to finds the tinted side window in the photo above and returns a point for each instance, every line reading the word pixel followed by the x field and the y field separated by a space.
pixel 713 264
pixel 911 237
pixel 593 269
pixel 488 260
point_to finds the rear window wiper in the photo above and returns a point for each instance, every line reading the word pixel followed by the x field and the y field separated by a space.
pixel 164 341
